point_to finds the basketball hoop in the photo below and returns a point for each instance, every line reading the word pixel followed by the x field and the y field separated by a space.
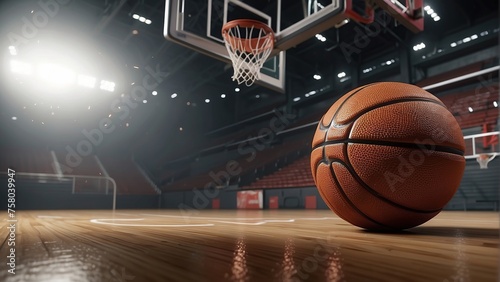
pixel 249 44
pixel 484 159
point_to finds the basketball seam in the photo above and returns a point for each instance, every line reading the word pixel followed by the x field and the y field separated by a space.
pixel 350 96
pixel 348 201
pixel 393 102
pixel 369 189
pixel 358 179
pixel 340 106
pixel 437 148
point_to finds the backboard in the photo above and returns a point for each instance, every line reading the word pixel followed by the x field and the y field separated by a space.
pixel 482 147
pixel 197 24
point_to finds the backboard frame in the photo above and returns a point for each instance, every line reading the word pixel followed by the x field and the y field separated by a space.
pixel 331 15
pixel 291 36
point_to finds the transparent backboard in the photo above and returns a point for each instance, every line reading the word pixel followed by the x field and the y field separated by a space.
pixel 197 24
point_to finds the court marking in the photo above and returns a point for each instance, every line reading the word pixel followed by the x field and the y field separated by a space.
pixel 224 220
pixel 105 221
pixel 255 223
pixel 237 218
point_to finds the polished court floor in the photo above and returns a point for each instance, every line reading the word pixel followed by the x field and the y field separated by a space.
pixel 173 245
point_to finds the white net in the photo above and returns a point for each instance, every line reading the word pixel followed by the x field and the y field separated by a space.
pixel 484 159
pixel 248 48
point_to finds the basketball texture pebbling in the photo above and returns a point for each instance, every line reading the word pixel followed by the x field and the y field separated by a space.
pixel 387 156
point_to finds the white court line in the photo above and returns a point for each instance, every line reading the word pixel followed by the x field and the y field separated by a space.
pixel 255 223
pixel 105 222
pixel 237 218
pixel 206 217
pixel 50 216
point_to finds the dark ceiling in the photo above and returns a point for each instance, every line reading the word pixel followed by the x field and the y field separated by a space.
pixel 126 50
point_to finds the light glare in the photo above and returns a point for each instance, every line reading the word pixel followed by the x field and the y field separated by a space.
pixel 55 75
pixel 86 81
pixel 107 85
pixel 20 67
pixel 13 50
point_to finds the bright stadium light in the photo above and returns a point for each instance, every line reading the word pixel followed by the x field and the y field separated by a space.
pixel 142 19
pixel 320 37
pixel 207 101
pixel 86 81
pixel 433 14
pixel 223 96
pixel 20 67
pixel 135 16
pixel 173 95
pixel 154 93
pixel 55 75
pixel 495 104
pixel 107 86
pixel 342 74
pixel 13 50
pixel 148 21
pixel 296 99
pixel 419 46
pixel 471 110
pixel 317 76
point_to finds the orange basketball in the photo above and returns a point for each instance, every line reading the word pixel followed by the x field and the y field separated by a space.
pixel 387 155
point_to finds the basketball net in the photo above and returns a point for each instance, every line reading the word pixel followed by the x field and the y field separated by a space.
pixel 484 159
pixel 249 44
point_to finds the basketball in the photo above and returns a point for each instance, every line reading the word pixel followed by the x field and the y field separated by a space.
pixel 387 156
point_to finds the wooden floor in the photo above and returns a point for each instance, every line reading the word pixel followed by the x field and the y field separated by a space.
pixel 146 245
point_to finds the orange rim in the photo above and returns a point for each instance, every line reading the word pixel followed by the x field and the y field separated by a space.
pixel 249 45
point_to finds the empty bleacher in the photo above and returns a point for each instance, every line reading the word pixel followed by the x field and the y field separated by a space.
pixel 31 160
pixel 296 174
pixel 87 165
pixel 479 189
pixel 266 160
pixel 126 174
